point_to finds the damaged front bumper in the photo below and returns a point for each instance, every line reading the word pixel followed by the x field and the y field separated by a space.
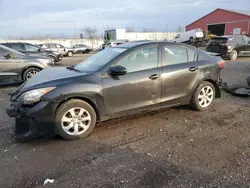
pixel 32 121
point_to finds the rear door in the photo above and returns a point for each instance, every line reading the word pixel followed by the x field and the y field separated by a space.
pixel 8 68
pixel 180 73
pixel 247 43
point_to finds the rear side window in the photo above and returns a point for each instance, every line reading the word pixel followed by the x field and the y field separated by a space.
pixel 203 56
pixel 238 39
pixel 175 54
pixel 18 47
pixel 192 54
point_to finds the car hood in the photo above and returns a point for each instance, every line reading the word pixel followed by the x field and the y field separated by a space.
pixel 51 77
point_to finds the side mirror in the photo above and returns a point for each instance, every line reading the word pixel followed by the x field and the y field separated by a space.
pixel 117 70
pixel 8 55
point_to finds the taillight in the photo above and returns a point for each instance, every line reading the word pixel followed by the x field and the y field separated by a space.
pixel 221 64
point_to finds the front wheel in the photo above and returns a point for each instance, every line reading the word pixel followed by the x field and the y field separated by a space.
pixel 75 119
pixel 70 54
pixel 203 96
pixel 233 55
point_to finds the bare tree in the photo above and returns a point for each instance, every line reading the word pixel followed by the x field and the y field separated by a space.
pixel 90 33
pixel 147 30
pixel 130 29
pixel 179 29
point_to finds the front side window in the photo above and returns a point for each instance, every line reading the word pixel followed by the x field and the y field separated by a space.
pixel 140 59
pixel 31 48
pixel 52 46
pixel 2 52
pixel 175 54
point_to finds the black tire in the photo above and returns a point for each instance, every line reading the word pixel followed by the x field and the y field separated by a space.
pixel 87 51
pixel 70 54
pixel 195 101
pixel 29 72
pixel 233 55
pixel 64 108
pixel 54 59
pixel 191 40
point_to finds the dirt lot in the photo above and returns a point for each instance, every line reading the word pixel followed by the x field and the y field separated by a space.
pixel 175 147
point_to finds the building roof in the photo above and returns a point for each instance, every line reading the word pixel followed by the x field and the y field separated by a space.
pixel 247 13
pixel 239 11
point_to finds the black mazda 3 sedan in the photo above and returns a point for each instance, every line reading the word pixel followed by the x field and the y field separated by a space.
pixel 130 78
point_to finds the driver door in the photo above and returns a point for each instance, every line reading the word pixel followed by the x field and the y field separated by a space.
pixel 140 87
pixel 8 68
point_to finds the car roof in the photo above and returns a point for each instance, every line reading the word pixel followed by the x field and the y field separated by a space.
pixel 135 44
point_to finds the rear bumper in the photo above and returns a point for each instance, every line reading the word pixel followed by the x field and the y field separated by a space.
pixel 32 122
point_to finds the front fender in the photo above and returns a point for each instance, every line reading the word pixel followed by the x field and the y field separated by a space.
pixel 91 93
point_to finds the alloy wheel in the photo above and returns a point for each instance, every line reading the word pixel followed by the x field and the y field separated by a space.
pixel 31 73
pixel 206 96
pixel 76 121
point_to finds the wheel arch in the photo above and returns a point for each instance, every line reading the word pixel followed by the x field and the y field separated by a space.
pixel 83 98
pixel 31 66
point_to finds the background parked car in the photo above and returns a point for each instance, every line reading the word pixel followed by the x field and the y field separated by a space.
pixel 114 43
pixel 16 66
pixel 30 49
pixel 189 36
pixel 230 46
pixel 65 51
pixel 81 48
pixel 114 82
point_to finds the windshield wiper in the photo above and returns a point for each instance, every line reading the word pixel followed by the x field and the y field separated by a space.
pixel 73 68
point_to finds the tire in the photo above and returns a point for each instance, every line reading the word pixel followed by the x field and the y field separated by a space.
pixel 54 59
pixel 191 40
pixel 28 73
pixel 203 96
pixel 87 51
pixel 70 53
pixel 67 129
pixel 233 55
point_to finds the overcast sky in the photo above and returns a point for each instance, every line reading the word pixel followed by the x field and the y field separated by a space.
pixel 31 17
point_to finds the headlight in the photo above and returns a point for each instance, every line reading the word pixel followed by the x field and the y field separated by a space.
pixel 35 95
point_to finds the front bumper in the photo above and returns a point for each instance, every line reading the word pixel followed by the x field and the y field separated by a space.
pixel 32 121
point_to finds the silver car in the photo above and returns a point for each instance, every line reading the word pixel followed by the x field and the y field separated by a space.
pixel 59 48
pixel 16 66
pixel 81 48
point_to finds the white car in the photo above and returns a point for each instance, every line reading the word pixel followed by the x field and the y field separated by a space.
pixel 189 36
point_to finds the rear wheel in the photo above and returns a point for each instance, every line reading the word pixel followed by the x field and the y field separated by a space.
pixel 203 96
pixel 30 72
pixel 233 55
pixel 75 119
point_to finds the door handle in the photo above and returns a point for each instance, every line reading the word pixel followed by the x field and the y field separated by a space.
pixel 154 76
pixel 192 69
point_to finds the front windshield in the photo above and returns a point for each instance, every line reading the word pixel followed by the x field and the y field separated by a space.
pixel 99 60
pixel 11 50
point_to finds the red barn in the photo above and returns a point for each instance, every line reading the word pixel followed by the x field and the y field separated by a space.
pixel 224 22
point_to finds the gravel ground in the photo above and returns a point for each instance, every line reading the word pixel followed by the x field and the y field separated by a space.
pixel 175 147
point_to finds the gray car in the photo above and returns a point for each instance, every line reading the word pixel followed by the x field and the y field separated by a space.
pixel 16 66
